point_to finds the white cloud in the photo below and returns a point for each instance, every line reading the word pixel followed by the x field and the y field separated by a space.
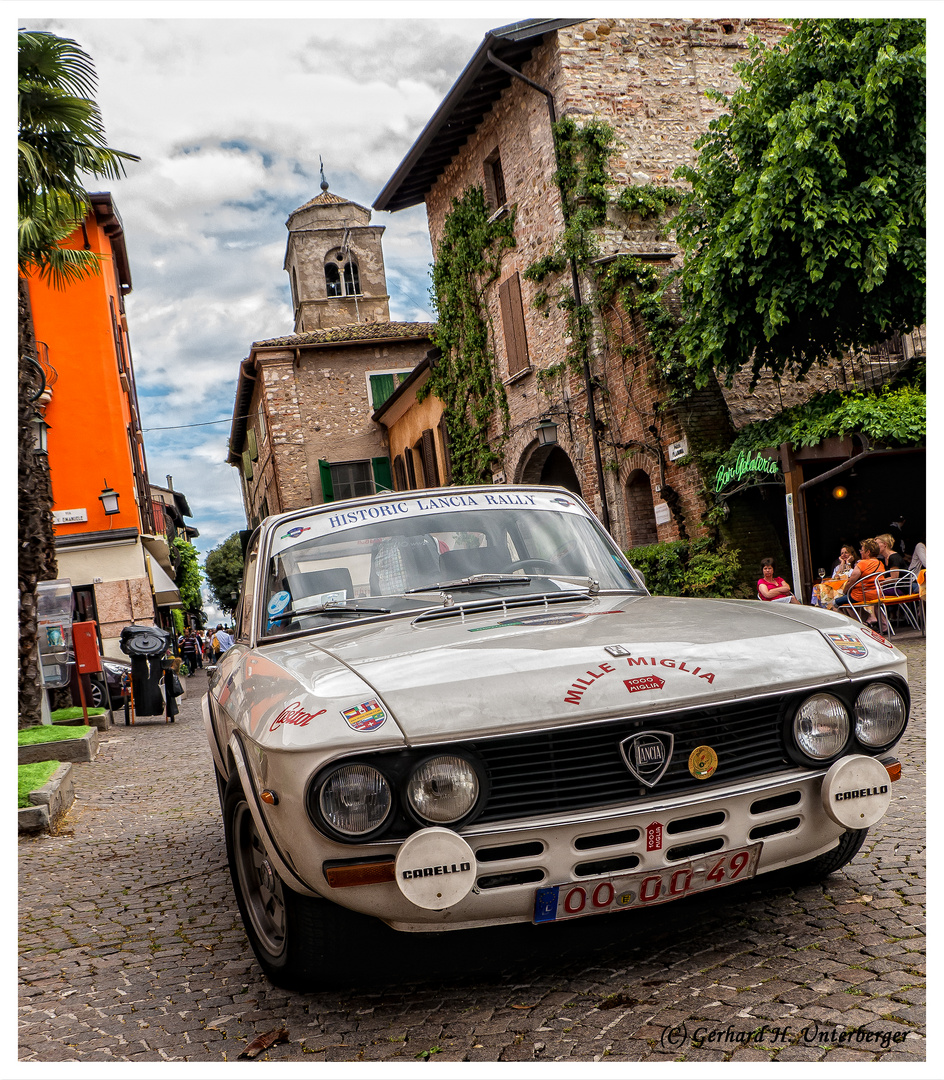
pixel 230 117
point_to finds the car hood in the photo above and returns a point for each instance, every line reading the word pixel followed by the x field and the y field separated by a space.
pixel 467 671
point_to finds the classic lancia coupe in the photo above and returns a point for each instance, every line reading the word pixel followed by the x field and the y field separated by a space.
pixel 461 707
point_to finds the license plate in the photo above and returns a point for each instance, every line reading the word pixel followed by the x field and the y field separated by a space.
pixel 646 888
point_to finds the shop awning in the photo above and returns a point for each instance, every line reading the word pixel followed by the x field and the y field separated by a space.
pixel 166 592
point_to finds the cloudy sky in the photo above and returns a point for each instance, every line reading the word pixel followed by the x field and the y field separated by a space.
pixel 229 117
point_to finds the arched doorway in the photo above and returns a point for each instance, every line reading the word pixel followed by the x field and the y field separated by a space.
pixel 639 506
pixel 551 465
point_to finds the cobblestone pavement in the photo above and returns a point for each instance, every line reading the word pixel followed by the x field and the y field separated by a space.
pixel 131 948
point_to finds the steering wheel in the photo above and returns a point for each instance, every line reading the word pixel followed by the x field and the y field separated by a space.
pixel 540 565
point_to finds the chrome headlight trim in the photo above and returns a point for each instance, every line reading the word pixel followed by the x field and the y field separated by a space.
pixel 880 716
pixel 353 800
pixel 445 789
pixel 821 728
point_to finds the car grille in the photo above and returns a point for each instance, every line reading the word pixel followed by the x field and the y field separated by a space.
pixel 580 768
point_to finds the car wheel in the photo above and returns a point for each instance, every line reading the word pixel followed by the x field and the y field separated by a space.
pixel 97 696
pixel 824 865
pixel 299 941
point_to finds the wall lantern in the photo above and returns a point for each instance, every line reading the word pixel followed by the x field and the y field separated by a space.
pixel 839 492
pixel 40 427
pixel 546 432
pixel 109 499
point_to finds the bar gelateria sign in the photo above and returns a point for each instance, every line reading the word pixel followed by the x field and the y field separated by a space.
pixel 746 463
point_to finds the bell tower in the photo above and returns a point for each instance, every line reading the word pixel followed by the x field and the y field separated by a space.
pixel 334 261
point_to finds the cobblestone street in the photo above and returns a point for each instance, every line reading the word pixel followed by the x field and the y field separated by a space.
pixel 131 947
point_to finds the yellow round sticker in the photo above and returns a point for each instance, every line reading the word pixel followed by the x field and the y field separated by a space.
pixel 702 762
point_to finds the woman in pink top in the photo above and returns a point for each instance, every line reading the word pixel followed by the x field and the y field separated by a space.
pixel 771 587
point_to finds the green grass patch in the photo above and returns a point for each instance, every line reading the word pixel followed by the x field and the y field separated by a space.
pixel 44 733
pixel 32 778
pixel 73 713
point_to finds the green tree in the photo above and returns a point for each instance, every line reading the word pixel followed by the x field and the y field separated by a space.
pixel 804 233
pixel 189 577
pixel 224 571
pixel 60 140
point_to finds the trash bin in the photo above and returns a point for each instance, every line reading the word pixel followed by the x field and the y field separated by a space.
pixel 146 646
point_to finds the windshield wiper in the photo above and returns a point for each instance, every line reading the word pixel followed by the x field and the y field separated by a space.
pixel 477 581
pixel 329 609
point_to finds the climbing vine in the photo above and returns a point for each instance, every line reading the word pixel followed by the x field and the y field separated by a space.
pixel 468 260
pixel 583 179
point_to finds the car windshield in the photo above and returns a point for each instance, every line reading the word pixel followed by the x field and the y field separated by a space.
pixel 402 554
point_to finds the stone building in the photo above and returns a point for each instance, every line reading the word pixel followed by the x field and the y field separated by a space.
pixel 302 430
pixel 622 442
pixel 618 437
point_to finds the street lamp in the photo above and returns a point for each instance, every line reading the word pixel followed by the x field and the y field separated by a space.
pixel 546 432
pixel 109 499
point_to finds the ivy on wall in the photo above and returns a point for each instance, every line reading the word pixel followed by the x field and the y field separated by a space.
pixel 468 260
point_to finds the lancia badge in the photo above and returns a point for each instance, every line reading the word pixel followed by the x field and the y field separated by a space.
pixel 647 755
pixel 702 762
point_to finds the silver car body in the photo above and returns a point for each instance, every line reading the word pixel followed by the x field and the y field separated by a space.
pixel 509 674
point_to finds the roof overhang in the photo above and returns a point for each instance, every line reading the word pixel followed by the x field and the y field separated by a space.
pixel 472 95
pixel 107 216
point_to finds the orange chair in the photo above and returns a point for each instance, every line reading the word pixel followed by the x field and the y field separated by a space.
pixel 902 591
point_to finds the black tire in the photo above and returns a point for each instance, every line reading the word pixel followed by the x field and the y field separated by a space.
pixel 301 943
pixel 823 865
pixel 97 696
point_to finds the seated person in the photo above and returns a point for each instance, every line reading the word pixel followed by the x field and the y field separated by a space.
pixel 773 588
pixel 893 562
pixel 869 564
pixel 919 557
pixel 847 560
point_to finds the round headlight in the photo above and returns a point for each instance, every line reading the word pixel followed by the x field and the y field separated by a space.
pixel 443 789
pixel 355 799
pixel 879 715
pixel 821 726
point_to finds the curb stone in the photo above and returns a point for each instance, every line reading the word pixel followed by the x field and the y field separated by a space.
pixel 50 801
pixel 82 748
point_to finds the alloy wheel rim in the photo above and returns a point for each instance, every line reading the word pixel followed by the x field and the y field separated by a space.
pixel 259 883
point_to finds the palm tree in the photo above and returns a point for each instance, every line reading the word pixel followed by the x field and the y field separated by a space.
pixel 61 139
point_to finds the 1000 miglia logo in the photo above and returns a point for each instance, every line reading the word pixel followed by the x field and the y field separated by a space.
pixel 580 686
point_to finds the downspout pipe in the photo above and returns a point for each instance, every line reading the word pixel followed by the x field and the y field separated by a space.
pixel 575 282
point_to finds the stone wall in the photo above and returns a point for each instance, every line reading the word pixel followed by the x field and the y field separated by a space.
pixel 317 407
pixel 647 78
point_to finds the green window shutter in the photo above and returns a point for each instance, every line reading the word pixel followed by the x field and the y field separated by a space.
pixel 327 488
pixel 381 387
pixel 247 465
pixel 251 445
pixel 382 476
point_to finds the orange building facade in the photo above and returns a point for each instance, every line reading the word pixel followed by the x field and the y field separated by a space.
pixel 106 542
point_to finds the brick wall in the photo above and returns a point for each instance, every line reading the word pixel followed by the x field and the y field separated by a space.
pixel 647 78
pixel 317 407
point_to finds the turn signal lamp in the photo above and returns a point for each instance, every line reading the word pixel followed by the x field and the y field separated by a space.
pixel 343 875
pixel 893 768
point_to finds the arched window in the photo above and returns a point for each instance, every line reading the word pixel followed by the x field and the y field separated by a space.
pixel 333 279
pixel 352 283
pixel 341 276
pixel 642 517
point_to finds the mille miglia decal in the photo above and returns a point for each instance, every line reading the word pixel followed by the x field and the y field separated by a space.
pixel 580 686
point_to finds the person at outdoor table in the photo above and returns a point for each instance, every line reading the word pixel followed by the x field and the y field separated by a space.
pixel 919 558
pixel 870 563
pixel 771 587
pixel 847 560
pixel 892 560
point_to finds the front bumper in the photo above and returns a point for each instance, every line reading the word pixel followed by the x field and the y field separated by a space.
pixel 785 812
